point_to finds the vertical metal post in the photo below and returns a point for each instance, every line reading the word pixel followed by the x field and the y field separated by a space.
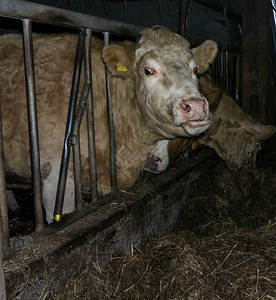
pixel 76 145
pixel 69 128
pixel 237 81
pixel 4 220
pixel 227 71
pixel 113 171
pixel 222 68
pixel 218 69
pixel 32 117
pixel 90 118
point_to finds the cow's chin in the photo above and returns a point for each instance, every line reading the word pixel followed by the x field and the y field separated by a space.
pixel 196 127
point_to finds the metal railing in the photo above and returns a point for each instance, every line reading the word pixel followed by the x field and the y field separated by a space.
pixel 226 72
pixel 32 12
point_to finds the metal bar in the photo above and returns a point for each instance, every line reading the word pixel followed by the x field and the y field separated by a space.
pixel 222 68
pixel 76 145
pixel 113 171
pixel 90 118
pixel 218 69
pixel 214 71
pixel 32 117
pixel 4 220
pixel 69 128
pixel 47 14
pixel 237 82
pixel 227 72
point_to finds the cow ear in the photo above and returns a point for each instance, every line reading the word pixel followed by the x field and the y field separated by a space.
pixel 119 60
pixel 261 131
pixel 204 55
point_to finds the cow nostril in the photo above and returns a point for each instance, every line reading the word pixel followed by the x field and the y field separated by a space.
pixel 186 107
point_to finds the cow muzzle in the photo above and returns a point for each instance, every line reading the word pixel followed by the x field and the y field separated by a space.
pixel 193 113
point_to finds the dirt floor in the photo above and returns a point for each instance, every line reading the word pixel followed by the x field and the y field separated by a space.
pixel 224 246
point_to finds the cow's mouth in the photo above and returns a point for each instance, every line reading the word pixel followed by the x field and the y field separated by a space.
pixel 196 123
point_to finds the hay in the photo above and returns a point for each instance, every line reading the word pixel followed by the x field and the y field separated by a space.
pixel 223 248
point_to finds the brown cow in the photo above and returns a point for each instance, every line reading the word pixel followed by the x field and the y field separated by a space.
pixel 234 135
pixel 154 96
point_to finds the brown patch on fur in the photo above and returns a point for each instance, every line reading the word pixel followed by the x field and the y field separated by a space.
pixel 177 146
pixel 46 170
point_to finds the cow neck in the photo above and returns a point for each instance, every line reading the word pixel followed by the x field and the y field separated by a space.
pixel 145 135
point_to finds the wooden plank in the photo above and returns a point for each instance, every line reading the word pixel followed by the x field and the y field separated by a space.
pixel 249 45
pixel 256 51
pixel 263 50
pixel 230 9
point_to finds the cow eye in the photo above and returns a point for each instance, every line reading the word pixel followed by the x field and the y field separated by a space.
pixel 195 70
pixel 149 71
pixel 258 145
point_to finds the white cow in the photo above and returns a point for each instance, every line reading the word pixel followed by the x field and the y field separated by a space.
pixel 234 135
pixel 154 96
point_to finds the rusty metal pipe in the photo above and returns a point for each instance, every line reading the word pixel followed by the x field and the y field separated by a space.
pixel 75 141
pixel 90 118
pixel 69 128
pixel 20 9
pixel 113 171
pixel 32 118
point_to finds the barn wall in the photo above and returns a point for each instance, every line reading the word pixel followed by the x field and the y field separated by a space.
pixel 203 22
pixel 257 67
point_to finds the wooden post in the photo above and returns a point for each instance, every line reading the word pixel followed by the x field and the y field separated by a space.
pixel 256 56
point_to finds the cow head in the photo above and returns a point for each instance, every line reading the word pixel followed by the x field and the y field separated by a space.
pixel 237 143
pixel 166 84
pixel 234 135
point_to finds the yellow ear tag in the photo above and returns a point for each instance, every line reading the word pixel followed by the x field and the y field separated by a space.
pixel 121 67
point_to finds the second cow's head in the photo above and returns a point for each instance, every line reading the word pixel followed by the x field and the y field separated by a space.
pixel 164 69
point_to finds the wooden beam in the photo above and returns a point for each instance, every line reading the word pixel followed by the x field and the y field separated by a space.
pixel 224 7
pixel 256 52
pixel 183 14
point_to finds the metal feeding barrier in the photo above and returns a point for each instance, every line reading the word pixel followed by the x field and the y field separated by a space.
pixel 226 71
pixel 31 12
